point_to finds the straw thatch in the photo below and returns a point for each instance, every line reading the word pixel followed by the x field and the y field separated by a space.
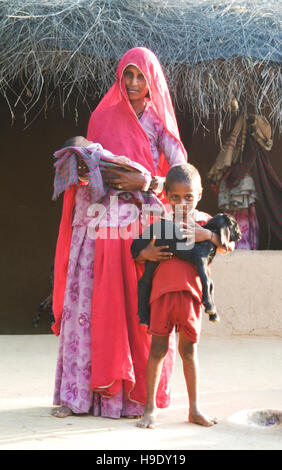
pixel 212 51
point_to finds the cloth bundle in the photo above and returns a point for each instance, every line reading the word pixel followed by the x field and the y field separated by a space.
pixel 117 207
pixel 96 158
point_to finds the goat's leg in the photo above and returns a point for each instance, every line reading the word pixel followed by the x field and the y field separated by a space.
pixel 213 316
pixel 202 267
pixel 144 292
pixel 207 286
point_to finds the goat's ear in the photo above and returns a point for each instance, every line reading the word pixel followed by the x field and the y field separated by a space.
pixel 224 236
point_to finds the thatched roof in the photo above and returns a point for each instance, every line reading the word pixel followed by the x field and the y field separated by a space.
pixel 212 51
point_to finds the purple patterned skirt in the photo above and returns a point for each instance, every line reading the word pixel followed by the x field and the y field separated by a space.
pixel 72 383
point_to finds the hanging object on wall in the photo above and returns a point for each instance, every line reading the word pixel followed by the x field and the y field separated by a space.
pixel 242 174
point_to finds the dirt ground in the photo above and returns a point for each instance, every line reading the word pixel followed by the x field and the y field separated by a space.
pixel 237 374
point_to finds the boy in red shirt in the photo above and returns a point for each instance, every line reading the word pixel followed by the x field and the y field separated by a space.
pixel 176 295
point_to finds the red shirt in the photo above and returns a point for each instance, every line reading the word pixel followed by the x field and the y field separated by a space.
pixel 178 275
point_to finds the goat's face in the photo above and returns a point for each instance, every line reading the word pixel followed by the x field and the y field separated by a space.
pixel 229 230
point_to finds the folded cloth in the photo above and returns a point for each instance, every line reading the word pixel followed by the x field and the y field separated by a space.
pixel 66 169
pixel 96 158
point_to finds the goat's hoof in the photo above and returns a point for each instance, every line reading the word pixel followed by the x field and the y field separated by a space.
pixel 210 309
pixel 214 317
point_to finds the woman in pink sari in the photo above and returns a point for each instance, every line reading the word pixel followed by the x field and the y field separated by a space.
pixel 103 349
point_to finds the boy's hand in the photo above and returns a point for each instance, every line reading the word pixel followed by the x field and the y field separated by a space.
pixel 154 253
pixel 195 232
pixel 201 234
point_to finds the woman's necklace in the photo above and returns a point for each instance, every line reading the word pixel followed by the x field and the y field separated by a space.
pixel 140 114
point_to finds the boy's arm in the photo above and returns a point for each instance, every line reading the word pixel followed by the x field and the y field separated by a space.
pixel 153 253
pixel 202 234
pixel 144 248
pixel 137 246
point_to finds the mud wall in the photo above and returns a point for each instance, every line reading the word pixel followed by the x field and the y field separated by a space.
pixel 248 294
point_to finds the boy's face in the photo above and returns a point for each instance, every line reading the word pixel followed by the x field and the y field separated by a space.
pixel 183 198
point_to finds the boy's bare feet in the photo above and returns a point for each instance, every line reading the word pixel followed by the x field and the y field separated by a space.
pixel 148 420
pixel 61 412
pixel 197 417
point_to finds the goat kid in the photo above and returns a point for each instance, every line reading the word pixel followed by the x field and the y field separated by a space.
pixel 168 233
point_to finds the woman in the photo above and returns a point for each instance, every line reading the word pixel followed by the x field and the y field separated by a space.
pixel 103 349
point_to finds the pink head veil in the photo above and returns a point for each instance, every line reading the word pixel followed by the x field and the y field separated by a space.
pixel 114 124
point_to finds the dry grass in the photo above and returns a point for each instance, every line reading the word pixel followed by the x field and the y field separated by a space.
pixel 212 51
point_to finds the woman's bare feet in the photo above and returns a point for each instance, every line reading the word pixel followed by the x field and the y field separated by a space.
pixel 148 420
pixel 133 417
pixel 197 417
pixel 61 412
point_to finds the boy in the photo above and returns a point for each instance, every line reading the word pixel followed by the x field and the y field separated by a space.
pixel 176 296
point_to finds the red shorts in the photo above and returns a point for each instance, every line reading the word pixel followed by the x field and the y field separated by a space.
pixel 180 309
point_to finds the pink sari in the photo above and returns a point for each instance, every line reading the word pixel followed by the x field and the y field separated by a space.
pixel 119 344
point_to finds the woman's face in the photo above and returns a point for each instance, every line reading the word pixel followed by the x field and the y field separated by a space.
pixel 135 83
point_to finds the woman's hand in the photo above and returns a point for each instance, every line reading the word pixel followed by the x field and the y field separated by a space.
pixel 123 180
pixel 154 253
